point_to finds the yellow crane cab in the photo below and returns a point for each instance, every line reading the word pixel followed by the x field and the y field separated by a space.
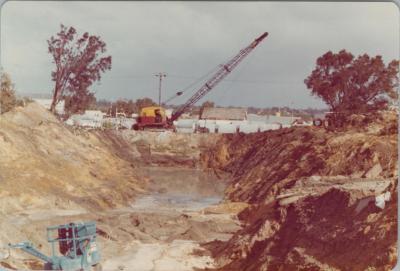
pixel 151 117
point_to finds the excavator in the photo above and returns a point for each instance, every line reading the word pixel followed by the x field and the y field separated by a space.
pixel 155 116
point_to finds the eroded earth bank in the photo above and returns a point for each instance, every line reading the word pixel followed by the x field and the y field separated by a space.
pixel 294 199
pixel 318 200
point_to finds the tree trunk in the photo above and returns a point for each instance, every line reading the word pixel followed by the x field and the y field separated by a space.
pixel 54 101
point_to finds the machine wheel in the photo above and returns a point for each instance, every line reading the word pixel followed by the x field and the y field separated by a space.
pixel 317 122
pixel 97 267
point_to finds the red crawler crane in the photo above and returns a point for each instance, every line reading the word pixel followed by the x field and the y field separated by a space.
pixel 158 119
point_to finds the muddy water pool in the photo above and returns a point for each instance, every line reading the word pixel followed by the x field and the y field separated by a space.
pixel 179 189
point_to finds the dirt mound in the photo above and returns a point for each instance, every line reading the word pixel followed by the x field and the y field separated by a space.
pixel 40 157
pixel 335 230
pixel 47 170
pixel 312 199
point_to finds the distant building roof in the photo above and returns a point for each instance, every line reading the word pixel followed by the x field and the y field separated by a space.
pixel 219 113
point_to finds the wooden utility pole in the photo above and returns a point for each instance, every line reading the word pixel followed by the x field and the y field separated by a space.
pixel 160 75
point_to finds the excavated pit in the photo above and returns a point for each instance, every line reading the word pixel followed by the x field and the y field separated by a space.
pixel 179 189
pixel 161 229
pixel 169 222
pixel 152 201
pixel 292 199
pixel 158 230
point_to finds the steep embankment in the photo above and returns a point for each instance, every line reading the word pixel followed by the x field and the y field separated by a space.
pixel 312 196
pixel 131 183
pixel 41 158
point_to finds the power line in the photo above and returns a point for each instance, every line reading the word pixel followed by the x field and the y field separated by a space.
pixel 179 93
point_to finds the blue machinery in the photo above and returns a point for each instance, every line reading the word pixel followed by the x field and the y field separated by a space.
pixel 77 248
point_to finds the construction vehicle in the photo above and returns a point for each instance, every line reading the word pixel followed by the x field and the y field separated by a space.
pixel 151 117
pixel 148 116
pixel 77 248
pixel 331 121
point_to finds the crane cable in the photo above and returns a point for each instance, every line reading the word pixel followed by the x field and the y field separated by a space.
pixel 234 76
pixel 179 93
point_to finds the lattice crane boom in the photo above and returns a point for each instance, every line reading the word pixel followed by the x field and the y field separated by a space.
pixel 217 77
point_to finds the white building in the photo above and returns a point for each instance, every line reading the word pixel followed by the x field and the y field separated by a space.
pixel 284 121
pixel 233 120
pixel 90 119
pixel 185 125
pixel 98 119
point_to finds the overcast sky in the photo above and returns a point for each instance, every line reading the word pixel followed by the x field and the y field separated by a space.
pixel 187 40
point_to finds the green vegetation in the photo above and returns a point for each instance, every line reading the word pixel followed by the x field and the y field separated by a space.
pixel 8 99
pixel 354 85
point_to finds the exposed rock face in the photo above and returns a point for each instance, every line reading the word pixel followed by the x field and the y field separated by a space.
pixel 312 199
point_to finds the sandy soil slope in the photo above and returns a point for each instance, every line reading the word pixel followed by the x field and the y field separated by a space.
pixel 42 161
pixel 143 189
